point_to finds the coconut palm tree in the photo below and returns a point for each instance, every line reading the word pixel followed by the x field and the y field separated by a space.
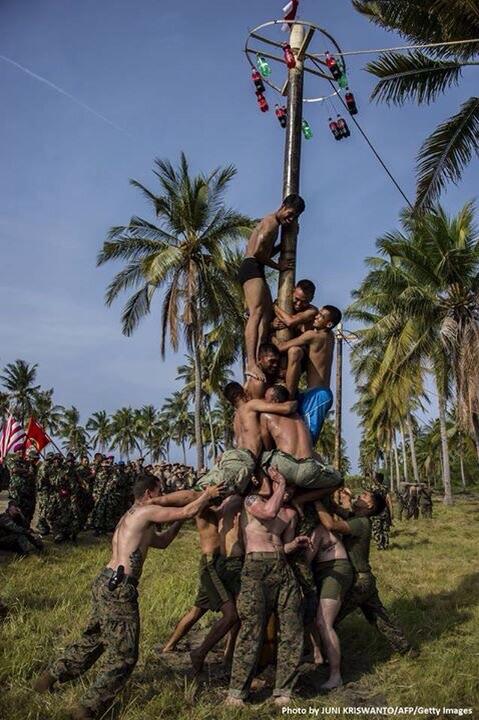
pixel 125 432
pixel 183 255
pixel 4 406
pixel 175 412
pixel 423 296
pixel 147 419
pixel 18 379
pixel 74 435
pixel 100 429
pixel 47 413
pixel 422 75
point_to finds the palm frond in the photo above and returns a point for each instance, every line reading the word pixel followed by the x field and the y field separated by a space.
pixel 446 152
pixel 412 76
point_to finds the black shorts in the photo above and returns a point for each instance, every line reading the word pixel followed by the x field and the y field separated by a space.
pixel 251 268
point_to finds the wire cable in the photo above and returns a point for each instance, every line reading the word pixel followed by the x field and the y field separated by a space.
pixel 373 149
pixel 401 47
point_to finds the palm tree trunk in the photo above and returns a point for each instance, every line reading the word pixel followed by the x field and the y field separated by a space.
pixel 461 463
pixel 212 433
pixel 396 461
pixel 446 468
pixel 200 456
pixel 184 450
pixel 412 445
pixel 391 471
pixel 404 454
pixel 475 423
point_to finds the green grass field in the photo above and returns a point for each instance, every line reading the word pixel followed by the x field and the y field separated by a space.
pixel 429 578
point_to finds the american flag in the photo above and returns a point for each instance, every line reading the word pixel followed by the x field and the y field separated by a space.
pixel 12 437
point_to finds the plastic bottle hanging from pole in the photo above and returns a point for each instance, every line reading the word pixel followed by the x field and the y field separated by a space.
pixel 262 103
pixel 333 126
pixel 289 58
pixel 351 102
pixel 281 114
pixel 333 66
pixel 343 127
pixel 263 66
pixel 307 132
pixel 258 82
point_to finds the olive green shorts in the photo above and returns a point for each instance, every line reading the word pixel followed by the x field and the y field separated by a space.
pixel 212 594
pixel 333 579
pixel 309 473
pixel 235 470
pixel 229 571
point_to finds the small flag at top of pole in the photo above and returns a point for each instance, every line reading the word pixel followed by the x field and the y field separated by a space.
pixel 289 10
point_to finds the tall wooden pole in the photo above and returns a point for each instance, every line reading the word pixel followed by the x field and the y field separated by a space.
pixel 292 162
pixel 339 399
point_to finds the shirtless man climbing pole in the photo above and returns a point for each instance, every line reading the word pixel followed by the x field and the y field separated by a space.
pixel 262 247
pixel 114 625
pixel 318 343
pixel 294 456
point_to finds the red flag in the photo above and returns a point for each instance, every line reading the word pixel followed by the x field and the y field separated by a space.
pixel 36 436
pixel 290 11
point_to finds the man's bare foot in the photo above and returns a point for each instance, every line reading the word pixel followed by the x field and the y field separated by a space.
pixel 258 684
pixel 234 701
pixel 168 648
pixel 282 700
pixel 197 661
pixel 44 682
pixel 318 658
pixel 335 681
pixel 256 373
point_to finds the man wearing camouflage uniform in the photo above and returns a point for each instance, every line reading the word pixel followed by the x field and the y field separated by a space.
pixel 381 524
pixel 114 626
pixel 15 534
pixel 22 487
pixel 425 501
pixel 100 497
pixel 413 503
pixel 59 513
pixel 356 535
pixel 44 492
pixel 268 585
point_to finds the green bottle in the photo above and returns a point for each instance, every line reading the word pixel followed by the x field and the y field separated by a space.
pixel 263 66
pixel 307 132
pixel 343 81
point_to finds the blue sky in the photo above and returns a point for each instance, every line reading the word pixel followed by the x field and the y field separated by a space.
pixel 169 77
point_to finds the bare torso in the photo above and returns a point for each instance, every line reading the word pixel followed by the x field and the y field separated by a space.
pixel 263 238
pixel 229 514
pixel 290 434
pixel 131 540
pixel 327 546
pixel 264 535
pixel 320 359
pixel 207 524
pixel 247 429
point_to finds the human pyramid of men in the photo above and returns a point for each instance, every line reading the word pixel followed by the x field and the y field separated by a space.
pixel 280 536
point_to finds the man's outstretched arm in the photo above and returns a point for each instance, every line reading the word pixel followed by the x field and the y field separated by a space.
pixel 170 514
pixel 300 341
pixel 329 522
pixel 161 540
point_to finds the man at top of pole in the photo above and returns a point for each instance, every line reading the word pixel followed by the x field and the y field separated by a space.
pixel 262 247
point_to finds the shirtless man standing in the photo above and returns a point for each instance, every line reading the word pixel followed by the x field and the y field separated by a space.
pixel 219 577
pixel 293 456
pixel 261 248
pixel 114 625
pixel 237 465
pixel 315 403
pixel 268 585
pixel 333 575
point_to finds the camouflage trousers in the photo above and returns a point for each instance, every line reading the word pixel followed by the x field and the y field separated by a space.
pixel 23 493
pixel 112 631
pixel 381 525
pixel 364 595
pixel 268 585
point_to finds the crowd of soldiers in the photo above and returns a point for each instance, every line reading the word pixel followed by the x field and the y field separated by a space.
pixel 68 495
pixel 414 499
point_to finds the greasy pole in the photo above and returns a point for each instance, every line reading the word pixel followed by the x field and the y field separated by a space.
pixel 292 161
pixel 339 399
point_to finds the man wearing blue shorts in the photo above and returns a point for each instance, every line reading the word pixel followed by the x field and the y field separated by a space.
pixel 317 346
